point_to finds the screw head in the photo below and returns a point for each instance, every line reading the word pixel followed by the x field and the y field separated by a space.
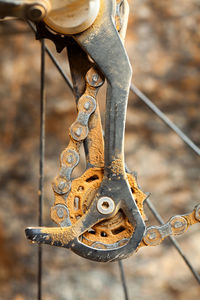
pixel 105 205
pixel 36 12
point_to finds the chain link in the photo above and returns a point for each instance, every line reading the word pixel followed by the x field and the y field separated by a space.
pixel 175 226
pixel 70 157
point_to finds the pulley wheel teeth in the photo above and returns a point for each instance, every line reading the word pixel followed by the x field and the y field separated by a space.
pixel 109 233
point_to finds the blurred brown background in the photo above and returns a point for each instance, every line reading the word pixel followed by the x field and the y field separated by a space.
pixel 163 44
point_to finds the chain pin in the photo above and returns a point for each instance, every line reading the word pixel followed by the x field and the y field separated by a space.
pixel 87 105
pixel 78 131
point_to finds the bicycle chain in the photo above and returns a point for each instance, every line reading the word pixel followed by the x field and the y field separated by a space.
pixel 73 198
pixel 69 158
pixel 175 226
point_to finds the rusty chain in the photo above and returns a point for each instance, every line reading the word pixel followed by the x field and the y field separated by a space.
pixel 101 236
pixel 95 221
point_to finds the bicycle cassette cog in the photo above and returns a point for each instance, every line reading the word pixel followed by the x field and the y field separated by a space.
pixel 108 234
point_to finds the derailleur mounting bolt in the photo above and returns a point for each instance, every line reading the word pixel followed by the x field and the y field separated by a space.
pixel 36 12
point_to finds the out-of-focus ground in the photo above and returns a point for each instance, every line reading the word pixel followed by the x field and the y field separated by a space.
pixel 163 44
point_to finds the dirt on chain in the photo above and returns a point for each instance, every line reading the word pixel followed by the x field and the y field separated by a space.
pixel 163 45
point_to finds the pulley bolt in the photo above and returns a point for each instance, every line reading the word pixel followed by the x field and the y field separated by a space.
pixel 105 205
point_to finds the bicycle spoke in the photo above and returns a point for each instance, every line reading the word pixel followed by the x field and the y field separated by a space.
pixel 165 119
pixel 173 240
pixel 123 280
pixel 54 60
pixel 41 167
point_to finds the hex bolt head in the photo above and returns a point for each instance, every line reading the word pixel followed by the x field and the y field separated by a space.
pixel 105 205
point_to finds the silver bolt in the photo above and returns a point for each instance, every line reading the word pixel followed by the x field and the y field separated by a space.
pixel 105 205
pixel 87 105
